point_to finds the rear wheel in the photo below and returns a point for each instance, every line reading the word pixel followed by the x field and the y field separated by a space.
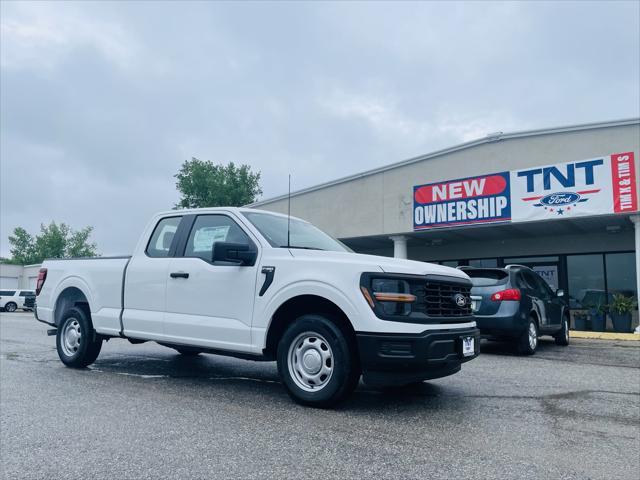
pixel 562 337
pixel 317 362
pixel 76 341
pixel 528 342
pixel 11 307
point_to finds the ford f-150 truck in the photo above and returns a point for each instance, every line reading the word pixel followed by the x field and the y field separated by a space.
pixel 264 286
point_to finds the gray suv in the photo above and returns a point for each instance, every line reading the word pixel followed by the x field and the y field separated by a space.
pixel 515 303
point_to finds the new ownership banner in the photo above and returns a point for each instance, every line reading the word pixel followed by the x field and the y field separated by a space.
pixel 597 186
pixel 461 202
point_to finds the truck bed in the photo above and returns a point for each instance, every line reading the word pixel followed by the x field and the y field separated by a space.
pixel 102 279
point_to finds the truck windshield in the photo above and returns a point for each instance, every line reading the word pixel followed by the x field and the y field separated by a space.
pixel 302 234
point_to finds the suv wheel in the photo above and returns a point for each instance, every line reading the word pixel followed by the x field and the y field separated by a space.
pixel 76 341
pixel 529 339
pixel 11 307
pixel 562 337
pixel 316 362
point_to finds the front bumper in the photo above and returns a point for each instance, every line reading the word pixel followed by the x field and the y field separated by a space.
pixel 396 359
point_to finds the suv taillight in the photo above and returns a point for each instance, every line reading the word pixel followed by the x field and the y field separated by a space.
pixel 42 276
pixel 508 294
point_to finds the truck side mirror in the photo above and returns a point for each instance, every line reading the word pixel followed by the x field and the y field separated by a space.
pixel 238 253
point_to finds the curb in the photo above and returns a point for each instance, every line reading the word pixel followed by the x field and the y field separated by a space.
pixel 604 335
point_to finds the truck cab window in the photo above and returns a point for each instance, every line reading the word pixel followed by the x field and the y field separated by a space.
pixel 209 229
pixel 162 237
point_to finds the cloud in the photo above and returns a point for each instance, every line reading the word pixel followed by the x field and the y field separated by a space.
pixel 41 36
pixel 382 115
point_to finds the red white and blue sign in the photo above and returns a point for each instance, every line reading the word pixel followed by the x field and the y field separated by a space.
pixel 598 186
pixel 465 201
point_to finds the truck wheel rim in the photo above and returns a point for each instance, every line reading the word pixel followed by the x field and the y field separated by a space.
pixel 533 336
pixel 310 361
pixel 71 337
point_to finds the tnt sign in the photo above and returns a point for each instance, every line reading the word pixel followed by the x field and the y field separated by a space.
pixel 589 187
pixel 563 176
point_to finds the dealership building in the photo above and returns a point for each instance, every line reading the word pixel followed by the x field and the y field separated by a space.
pixel 563 201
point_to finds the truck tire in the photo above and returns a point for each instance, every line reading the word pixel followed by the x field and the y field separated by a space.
pixel 562 337
pixel 317 363
pixel 528 342
pixel 76 341
pixel 11 307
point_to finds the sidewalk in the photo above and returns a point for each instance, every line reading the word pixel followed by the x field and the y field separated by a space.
pixel 604 335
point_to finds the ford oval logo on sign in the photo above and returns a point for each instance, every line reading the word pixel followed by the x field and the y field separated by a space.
pixel 560 199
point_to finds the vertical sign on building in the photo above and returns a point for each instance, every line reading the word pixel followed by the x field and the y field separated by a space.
pixel 625 190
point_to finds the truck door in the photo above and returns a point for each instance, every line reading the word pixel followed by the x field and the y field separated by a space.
pixel 210 304
pixel 146 283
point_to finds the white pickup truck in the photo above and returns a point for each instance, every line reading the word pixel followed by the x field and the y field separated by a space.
pixel 262 286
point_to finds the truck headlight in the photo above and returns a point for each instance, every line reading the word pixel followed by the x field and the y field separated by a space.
pixel 392 295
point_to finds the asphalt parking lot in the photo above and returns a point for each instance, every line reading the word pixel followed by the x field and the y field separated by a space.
pixel 142 411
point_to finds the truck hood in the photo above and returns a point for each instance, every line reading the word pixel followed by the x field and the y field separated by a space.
pixel 374 262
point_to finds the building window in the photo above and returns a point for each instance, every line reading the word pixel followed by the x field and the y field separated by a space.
pixel 621 274
pixel 525 260
pixel 450 263
pixel 484 263
pixel 585 275
pixel 621 278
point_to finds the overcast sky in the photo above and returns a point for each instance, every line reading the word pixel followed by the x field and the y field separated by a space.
pixel 102 102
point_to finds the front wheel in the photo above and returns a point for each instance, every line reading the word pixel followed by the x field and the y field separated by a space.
pixel 562 337
pixel 11 307
pixel 317 362
pixel 529 340
pixel 77 343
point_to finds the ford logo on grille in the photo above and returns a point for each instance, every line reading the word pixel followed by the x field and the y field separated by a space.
pixel 460 300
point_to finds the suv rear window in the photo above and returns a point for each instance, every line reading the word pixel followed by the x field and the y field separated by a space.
pixel 7 293
pixel 487 278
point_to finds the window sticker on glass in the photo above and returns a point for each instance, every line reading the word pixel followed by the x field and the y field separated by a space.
pixel 205 237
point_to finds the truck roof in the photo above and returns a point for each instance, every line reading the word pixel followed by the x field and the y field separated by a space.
pixel 237 210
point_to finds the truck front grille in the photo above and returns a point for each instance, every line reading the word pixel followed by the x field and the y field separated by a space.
pixel 437 299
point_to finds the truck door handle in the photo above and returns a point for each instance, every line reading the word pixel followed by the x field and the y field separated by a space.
pixel 179 275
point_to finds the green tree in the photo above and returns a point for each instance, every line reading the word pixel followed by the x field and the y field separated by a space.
pixel 22 247
pixel 202 183
pixel 53 241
